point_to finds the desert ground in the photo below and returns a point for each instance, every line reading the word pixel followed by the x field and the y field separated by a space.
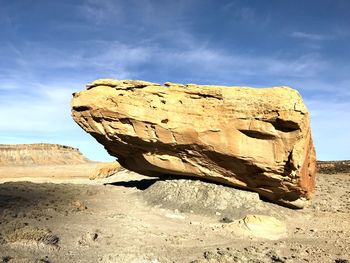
pixel 56 214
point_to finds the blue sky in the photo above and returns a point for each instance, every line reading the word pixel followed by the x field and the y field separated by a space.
pixel 50 49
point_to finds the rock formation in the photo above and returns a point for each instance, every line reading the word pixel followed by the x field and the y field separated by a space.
pixel 252 138
pixel 39 154
pixel 105 170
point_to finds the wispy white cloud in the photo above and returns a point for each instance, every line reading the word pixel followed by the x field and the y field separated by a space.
pixel 151 15
pixel 41 112
pixel 101 11
pixel 310 36
pixel 239 12
pixel 46 108
pixel 237 65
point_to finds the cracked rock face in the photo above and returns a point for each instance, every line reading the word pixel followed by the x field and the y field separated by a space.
pixel 251 138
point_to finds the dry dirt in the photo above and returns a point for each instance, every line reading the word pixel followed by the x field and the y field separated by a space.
pixel 72 219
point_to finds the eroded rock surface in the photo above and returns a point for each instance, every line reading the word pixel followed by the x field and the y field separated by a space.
pixel 39 154
pixel 256 139
pixel 260 226
pixel 105 170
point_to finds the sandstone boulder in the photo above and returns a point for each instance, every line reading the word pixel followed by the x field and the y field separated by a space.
pixel 252 138
pixel 105 170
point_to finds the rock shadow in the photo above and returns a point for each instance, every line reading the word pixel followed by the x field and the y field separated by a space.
pixel 34 201
pixel 142 184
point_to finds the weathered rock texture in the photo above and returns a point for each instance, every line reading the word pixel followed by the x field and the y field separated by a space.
pixel 39 154
pixel 257 139
pixel 260 226
pixel 105 170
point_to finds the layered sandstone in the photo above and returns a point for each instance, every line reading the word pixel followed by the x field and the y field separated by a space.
pixel 104 170
pixel 252 138
pixel 39 154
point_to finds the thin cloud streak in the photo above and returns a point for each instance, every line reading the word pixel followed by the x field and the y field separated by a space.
pixel 123 60
pixel 101 11
pixel 310 36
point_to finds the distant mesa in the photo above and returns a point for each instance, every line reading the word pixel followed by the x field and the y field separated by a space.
pixel 252 138
pixel 39 154
pixel 333 167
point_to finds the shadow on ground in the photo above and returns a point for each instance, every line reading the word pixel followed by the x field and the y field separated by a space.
pixel 139 184
pixel 31 200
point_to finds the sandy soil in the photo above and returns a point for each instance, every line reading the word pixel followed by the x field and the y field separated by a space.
pixel 91 222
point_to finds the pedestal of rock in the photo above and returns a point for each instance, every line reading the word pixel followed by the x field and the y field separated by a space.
pixel 251 138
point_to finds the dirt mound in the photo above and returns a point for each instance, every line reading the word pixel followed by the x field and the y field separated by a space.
pixel 333 167
pixel 39 154
pixel 195 196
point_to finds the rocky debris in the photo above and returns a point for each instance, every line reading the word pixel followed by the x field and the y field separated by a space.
pixel 39 154
pixel 78 206
pixel 278 252
pixel 195 196
pixel 252 138
pixel 248 254
pixel 328 189
pixel 333 167
pixel 105 170
pixel 27 234
pixel 88 239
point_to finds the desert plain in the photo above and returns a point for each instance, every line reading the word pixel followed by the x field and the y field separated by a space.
pixel 54 213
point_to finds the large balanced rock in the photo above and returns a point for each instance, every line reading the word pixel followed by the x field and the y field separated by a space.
pixel 252 138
